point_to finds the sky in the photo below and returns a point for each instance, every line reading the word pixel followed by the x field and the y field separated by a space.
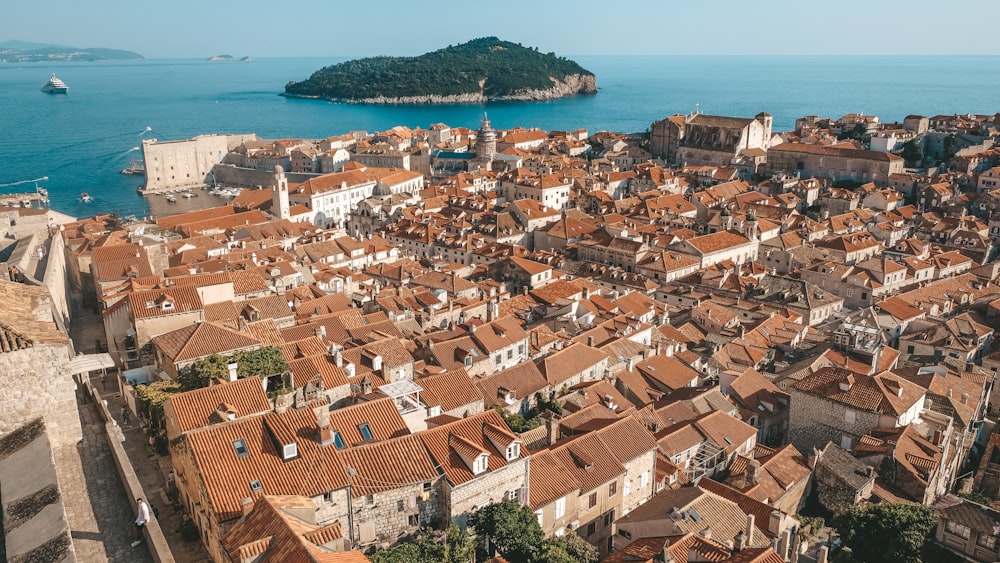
pixel 344 28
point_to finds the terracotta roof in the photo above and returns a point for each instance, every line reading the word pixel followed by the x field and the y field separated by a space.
pixel 200 340
pixel 523 380
pixel 569 362
pixel 438 442
pixel 194 409
pixel 549 480
pixel 448 390
pixel 883 393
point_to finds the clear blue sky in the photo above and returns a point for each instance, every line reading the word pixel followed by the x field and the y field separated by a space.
pixel 201 28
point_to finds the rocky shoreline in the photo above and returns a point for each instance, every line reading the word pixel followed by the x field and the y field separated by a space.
pixel 573 85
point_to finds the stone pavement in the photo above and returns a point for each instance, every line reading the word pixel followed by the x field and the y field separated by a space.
pixel 87 328
pixel 99 512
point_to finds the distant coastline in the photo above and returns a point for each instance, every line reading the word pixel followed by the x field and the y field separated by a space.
pixel 25 52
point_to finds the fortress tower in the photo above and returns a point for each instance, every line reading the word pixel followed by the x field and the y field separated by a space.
pixel 486 140
pixel 279 201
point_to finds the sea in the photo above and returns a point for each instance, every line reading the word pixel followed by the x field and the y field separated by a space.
pixel 80 142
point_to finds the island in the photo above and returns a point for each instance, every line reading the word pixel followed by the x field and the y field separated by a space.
pixel 223 58
pixel 481 70
pixel 25 52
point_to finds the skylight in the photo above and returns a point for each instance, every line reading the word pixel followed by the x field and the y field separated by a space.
pixel 366 432
pixel 728 440
pixel 240 446
pixel 256 486
pixel 338 440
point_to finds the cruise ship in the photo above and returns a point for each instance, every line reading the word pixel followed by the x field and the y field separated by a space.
pixel 55 86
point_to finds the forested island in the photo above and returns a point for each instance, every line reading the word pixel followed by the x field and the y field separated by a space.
pixel 25 52
pixel 485 69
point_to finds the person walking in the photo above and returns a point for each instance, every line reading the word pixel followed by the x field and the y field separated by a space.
pixel 125 421
pixel 141 519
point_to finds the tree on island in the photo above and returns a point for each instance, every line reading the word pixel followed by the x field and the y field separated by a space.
pixel 887 531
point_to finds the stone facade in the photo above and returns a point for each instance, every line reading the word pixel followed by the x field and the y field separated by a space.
pixel 462 500
pixel 34 384
pixel 383 517
pixel 813 421
pixel 188 163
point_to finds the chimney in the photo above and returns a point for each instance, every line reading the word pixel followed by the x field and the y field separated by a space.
pixel 869 472
pixel 823 554
pixel 552 429
pixel 631 364
pixel 232 367
pixel 749 530
pixel 784 543
pixel 774 526
pixel 590 341
pixel 323 430
pixel 246 506
pixel 752 473
pixel 665 552
pixel 609 402
pixel 793 557
pixel 965 398
pixel 739 542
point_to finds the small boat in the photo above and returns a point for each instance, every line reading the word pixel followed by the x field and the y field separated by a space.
pixel 189 195
pixel 171 198
pixel 55 86
pixel 135 169
pixel 85 197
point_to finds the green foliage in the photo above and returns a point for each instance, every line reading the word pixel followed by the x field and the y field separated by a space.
pixel 547 404
pixel 113 222
pixel 845 555
pixel 518 423
pixel 453 546
pixel 887 531
pixel 976 497
pixel 576 548
pixel 552 551
pixel 812 523
pixel 263 362
pixel 503 68
pixel 510 528
pixel 149 401
pixel 913 151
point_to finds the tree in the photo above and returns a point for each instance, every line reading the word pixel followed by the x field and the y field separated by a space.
pixel 453 546
pixel 263 362
pixel 579 549
pixel 149 401
pixel 913 151
pixel 113 222
pixel 203 371
pixel 509 527
pixel 887 531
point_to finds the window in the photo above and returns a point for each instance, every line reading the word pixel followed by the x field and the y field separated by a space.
pixel 256 486
pixel 241 448
pixel 609 518
pixel 328 496
pixel 513 451
pixel 627 488
pixel 988 541
pixel 338 440
pixel 644 479
pixel 560 509
pixel 400 505
pixel 591 528
pixel 592 501
pixel 957 529
pixel 849 416
pixel 625 534
pixel 366 432
pixel 520 349
pixel 673 478
pixel 468 361
pixel 538 514
pixel 613 489
pixel 497 359
pixel 510 354
pixel 845 442
pixel 369 500
pixel 909 349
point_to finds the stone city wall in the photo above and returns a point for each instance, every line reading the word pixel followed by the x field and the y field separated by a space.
pixel 35 385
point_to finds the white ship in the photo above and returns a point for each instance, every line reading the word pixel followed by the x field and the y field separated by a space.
pixel 55 86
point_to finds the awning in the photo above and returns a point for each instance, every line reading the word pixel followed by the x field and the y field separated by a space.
pixel 89 362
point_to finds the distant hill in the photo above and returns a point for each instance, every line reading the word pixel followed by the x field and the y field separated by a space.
pixel 15 51
pixel 485 69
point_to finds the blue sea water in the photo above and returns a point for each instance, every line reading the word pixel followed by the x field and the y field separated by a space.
pixel 83 140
